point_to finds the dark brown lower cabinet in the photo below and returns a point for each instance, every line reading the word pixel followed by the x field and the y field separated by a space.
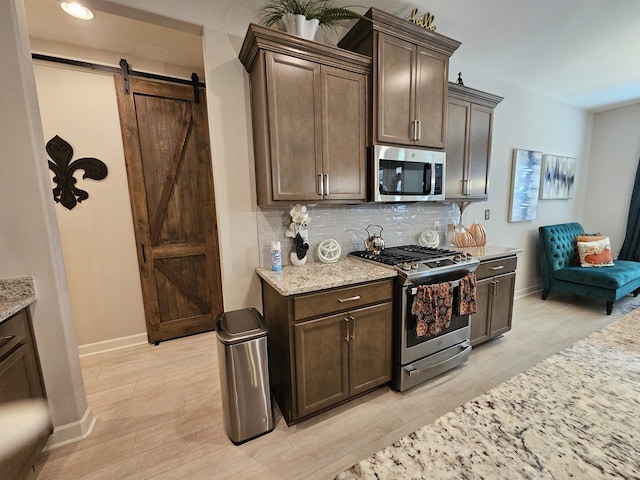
pixel 495 290
pixel 20 379
pixel 327 347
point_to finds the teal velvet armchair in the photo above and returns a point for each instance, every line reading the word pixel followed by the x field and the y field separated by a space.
pixel 560 271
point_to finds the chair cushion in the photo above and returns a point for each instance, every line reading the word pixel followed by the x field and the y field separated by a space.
pixel 615 276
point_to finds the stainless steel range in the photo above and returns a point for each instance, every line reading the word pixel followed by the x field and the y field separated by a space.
pixel 419 353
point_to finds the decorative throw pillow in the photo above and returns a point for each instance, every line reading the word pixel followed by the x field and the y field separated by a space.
pixel 594 251
pixel 582 239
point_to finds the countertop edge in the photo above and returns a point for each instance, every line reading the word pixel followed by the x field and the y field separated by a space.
pixel 317 276
pixel 15 294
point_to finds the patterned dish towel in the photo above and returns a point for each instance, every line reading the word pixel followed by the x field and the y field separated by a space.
pixel 467 303
pixel 432 306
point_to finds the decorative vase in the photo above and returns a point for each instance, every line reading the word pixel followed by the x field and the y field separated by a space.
pixel 299 25
pixel 304 235
pixel 297 261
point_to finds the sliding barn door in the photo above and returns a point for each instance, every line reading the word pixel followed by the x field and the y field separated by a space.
pixel 166 146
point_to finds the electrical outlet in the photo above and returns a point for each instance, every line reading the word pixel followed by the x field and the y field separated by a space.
pixel 487 214
pixel 436 225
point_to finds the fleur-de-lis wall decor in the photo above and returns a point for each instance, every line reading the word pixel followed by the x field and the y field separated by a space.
pixel 66 191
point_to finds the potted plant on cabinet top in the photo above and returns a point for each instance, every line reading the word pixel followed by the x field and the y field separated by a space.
pixel 303 17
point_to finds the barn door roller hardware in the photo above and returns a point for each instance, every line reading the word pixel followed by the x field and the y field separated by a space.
pixel 124 67
pixel 195 82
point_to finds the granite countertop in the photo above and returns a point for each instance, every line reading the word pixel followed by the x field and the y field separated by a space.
pixel 312 276
pixel 15 294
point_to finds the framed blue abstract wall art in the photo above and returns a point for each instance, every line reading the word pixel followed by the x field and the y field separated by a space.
pixel 558 177
pixel 525 185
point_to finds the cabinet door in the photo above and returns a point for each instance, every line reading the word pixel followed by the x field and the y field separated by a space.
pixel 481 319
pixel 459 113
pixel 502 304
pixel 344 117
pixel 481 119
pixel 369 347
pixel 321 352
pixel 431 98
pixel 396 96
pixel 20 376
pixel 294 111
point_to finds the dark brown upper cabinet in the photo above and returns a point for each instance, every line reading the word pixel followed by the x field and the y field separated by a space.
pixel 469 132
pixel 409 80
pixel 309 111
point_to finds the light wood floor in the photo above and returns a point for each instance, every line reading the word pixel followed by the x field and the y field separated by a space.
pixel 159 412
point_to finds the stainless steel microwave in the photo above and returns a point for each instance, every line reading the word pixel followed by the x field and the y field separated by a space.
pixel 407 174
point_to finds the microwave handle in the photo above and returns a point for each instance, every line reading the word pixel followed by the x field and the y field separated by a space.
pixel 429 179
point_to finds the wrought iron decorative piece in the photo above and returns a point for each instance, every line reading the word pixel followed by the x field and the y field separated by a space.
pixel 65 191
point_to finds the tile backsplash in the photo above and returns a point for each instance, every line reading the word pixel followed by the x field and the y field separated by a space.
pixel 401 223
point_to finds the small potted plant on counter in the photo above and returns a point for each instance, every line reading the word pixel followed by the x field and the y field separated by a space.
pixel 303 17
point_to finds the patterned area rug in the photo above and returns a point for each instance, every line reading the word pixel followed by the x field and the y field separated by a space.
pixel 629 306
pixel 574 415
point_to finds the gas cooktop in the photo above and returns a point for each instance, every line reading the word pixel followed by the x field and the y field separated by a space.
pixel 415 262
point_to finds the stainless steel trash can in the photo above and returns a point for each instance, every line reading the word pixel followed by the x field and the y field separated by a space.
pixel 244 374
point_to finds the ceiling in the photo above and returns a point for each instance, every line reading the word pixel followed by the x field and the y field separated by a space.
pixel 581 52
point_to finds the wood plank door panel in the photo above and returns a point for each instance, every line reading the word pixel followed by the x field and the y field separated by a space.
pixel 165 137
pixel 293 96
pixel 321 354
pixel 396 91
pixel 459 112
pixel 370 347
pixel 344 117
pixel 431 98
pixel 481 120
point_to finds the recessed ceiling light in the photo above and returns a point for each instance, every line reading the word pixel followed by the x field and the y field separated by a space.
pixel 77 10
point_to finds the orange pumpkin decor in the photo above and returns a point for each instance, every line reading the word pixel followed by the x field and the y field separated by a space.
pixel 464 239
pixel 479 234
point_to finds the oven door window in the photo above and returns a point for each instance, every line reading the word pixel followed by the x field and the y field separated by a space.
pixel 404 178
pixel 417 334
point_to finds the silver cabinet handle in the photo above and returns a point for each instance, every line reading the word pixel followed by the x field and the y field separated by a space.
pixel 418 130
pixel 350 299
pixel 5 340
pixel 346 326
pixel 353 328
pixel 498 267
pixel 320 185
pixel 466 187
pixel 326 184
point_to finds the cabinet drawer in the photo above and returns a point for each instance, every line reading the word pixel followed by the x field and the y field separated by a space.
pixel 339 299
pixel 13 332
pixel 496 267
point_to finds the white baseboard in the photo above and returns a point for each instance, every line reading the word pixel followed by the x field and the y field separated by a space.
pixel 71 432
pixel 113 344
pixel 523 292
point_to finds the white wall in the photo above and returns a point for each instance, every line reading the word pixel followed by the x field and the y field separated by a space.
pixel 233 169
pixel 97 234
pixel 29 239
pixel 615 152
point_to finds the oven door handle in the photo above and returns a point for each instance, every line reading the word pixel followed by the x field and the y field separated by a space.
pixel 466 347
pixel 454 284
